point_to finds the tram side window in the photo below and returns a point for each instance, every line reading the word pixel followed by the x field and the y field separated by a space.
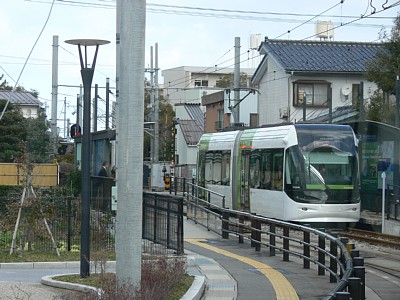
pixel 255 158
pixel 217 167
pixel 201 169
pixel 208 167
pixel 277 170
pixel 226 167
pixel 271 175
pixel 294 168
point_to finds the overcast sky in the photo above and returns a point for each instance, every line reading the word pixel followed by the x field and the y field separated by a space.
pixel 188 33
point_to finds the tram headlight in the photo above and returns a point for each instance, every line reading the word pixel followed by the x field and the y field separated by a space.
pixel 304 208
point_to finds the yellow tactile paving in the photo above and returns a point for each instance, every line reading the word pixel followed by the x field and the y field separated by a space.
pixel 283 289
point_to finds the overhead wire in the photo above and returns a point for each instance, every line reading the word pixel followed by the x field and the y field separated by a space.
pixel 194 8
pixel 201 9
pixel 307 21
pixel 340 2
pixel 362 17
pixel 26 61
pixel 210 11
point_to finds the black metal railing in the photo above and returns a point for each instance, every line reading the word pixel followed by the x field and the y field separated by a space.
pixel 392 202
pixel 329 253
pixel 163 220
pixel 162 224
pixel 63 216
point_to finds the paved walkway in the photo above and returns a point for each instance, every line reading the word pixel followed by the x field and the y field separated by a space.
pixel 224 269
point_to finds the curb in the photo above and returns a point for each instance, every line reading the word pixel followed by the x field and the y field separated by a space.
pixel 48 280
pixel 196 290
pixel 194 293
pixel 49 265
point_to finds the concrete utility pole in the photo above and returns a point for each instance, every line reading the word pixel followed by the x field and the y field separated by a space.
pixel 156 108
pixel 236 82
pixel 107 103
pixel 54 93
pixel 65 117
pixel 152 104
pixel 96 98
pixel 131 22
pixel 397 118
pixel 78 113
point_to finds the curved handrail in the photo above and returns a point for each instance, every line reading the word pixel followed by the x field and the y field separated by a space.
pixel 241 223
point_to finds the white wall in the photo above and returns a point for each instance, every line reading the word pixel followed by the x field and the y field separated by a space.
pixel 276 92
pixel 273 94
pixel 246 107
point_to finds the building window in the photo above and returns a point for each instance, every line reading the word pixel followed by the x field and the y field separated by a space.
pixel 219 124
pixel 253 120
pixel 200 83
pixel 314 93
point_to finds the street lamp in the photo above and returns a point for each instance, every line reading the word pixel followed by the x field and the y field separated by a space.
pixel 87 77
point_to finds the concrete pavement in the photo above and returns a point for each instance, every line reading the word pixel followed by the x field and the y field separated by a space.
pixel 224 269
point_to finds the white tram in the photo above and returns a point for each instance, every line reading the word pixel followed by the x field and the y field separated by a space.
pixel 299 172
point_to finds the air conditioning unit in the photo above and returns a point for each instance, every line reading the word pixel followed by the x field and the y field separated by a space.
pixel 283 113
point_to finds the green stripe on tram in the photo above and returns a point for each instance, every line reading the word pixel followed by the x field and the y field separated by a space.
pixel 205 142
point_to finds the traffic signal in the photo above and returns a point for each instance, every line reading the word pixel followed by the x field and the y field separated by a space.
pixel 75 131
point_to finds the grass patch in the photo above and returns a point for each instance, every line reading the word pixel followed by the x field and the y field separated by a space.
pixel 96 280
pixel 103 280
pixel 179 290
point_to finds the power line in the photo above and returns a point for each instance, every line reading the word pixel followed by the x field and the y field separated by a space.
pixel 209 12
pixel 307 21
pixel 27 59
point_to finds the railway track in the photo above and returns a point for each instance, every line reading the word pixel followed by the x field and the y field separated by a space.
pixel 373 238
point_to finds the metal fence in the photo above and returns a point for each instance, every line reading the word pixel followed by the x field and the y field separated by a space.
pixel 162 223
pixel 392 202
pixel 63 216
pixel 163 220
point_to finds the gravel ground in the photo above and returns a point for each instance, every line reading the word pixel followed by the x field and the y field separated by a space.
pixel 30 291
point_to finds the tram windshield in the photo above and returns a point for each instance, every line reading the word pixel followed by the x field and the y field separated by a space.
pixel 323 167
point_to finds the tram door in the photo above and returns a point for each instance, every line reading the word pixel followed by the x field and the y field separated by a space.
pixel 245 181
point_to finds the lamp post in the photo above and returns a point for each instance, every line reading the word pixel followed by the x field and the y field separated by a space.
pixel 87 73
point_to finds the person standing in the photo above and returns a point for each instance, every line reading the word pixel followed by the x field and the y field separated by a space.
pixel 103 170
pixel 102 186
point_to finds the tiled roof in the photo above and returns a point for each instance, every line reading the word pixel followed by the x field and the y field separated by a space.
pixel 195 113
pixel 191 131
pixel 19 98
pixel 193 128
pixel 320 56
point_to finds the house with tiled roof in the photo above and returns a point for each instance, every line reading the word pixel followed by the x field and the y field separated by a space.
pixel 189 129
pixel 29 106
pixel 325 75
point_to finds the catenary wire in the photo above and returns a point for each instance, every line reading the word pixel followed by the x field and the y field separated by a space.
pixel 27 59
